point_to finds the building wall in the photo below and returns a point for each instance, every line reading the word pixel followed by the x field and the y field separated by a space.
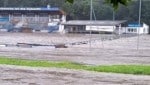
pixel 146 31
pixel 61 29
pixel 34 21
pixel 101 28
pixel 137 30
pixel 87 28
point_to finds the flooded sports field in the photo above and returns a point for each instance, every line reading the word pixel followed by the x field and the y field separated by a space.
pixel 95 49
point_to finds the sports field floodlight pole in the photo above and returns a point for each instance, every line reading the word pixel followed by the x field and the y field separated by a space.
pixel 113 15
pixel 139 24
pixel 91 11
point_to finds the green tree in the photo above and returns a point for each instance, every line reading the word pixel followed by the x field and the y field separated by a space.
pixel 80 9
pixel 115 3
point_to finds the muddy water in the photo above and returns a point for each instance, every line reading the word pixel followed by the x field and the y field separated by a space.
pixel 120 51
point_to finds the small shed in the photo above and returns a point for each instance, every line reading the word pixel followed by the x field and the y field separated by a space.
pixel 84 26
pixel 136 28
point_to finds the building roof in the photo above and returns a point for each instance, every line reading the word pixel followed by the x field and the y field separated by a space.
pixel 30 9
pixel 94 22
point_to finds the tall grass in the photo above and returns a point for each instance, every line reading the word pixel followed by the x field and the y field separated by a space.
pixel 126 69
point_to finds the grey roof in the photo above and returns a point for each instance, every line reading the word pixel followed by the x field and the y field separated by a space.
pixel 94 22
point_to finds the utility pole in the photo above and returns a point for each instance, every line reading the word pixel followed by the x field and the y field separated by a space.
pixel 113 15
pixel 139 24
pixel 113 18
pixel 91 11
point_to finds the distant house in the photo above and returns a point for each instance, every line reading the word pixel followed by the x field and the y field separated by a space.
pixel 81 26
pixel 135 28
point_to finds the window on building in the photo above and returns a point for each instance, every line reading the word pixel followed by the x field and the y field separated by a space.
pixel 132 30
pixel 129 30
pixel 55 16
pixel 135 30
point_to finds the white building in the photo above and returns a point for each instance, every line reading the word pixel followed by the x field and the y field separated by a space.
pixel 135 28
pixel 80 26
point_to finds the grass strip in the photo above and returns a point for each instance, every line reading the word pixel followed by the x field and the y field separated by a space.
pixel 125 69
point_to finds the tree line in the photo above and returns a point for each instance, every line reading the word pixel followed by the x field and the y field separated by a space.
pixel 80 9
